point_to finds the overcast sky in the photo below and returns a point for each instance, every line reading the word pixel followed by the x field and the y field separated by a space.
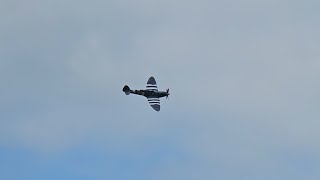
pixel 243 78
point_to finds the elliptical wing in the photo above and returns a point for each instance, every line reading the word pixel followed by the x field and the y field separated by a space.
pixel 152 84
pixel 154 103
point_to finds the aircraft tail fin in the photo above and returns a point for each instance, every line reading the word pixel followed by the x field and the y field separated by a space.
pixel 126 90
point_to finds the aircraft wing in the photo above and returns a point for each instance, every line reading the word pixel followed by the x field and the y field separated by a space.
pixel 152 84
pixel 154 103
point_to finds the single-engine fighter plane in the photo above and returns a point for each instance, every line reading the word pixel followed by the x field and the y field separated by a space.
pixel 151 93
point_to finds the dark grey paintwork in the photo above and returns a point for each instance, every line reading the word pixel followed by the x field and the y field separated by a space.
pixel 151 93
pixel 151 81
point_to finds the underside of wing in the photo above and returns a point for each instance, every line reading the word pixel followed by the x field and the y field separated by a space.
pixel 154 103
pixel 152 84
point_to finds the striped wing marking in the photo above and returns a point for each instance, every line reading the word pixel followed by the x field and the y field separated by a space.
pixel 152 84
pixel 154 103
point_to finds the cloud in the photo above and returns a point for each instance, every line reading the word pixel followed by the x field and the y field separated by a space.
pixel 242 75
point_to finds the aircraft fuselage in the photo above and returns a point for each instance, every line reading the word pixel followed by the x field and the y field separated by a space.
pixel 149 93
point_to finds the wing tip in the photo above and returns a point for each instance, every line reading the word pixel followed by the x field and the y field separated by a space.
pixel 156 107
pixel 152 81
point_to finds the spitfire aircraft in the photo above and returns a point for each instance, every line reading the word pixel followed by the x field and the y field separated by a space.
pixel 151 93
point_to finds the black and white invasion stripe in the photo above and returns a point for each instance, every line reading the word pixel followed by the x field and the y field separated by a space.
pixel 153 101
pixel 152 84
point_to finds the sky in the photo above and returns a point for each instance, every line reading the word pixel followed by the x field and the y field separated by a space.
pixel 243 78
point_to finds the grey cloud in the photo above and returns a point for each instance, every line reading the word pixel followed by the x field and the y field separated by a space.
pixel 243 77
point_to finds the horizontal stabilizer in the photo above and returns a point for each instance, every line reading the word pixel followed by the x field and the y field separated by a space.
pixel 126 90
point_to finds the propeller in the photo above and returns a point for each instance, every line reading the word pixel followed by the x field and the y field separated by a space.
pixel 167 93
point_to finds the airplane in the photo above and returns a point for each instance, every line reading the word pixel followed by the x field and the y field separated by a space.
pixel 151 93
